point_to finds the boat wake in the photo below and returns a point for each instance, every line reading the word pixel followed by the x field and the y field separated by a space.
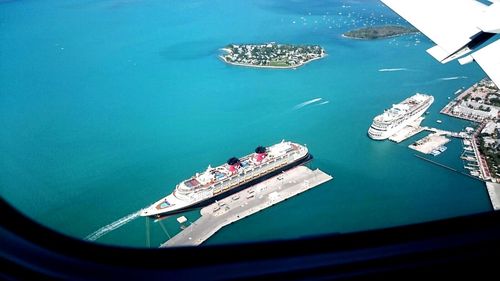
pixel 452 78
pixel 325 102
pixel 392 69
pixel 435 81
pixel 301 105
pixel 112 226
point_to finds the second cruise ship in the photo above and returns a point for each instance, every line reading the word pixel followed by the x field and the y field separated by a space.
pixel 400 115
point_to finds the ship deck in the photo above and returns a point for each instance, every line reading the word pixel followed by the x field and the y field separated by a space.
pixel 223 172
pixel 248 202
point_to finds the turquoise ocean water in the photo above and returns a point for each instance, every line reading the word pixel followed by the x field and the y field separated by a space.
pixel 106 105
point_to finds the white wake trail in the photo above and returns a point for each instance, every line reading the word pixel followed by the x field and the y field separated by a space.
pixel 452 78
pixel 300 105
pixel 112 226
pixel 392 69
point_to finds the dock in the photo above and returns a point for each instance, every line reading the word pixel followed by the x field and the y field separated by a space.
pixel 408 131
pixel 248 202
pixel 415 128
pixel 461 135
pixel 429 143
pixel 405 133
pixel 446 167
pixel 494 193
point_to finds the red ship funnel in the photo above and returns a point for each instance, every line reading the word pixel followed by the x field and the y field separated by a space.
pixel 261 156
pixel 261 153
pixel 234 163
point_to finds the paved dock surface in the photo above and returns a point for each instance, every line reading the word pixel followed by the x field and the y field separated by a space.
pixel 408 131
pixel 460 135
pixel 494 192
pixel 429 143
pixel 405 133
pixel 247 202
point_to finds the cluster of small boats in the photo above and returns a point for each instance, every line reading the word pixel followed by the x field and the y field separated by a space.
pixel 470 160
pixel 439 150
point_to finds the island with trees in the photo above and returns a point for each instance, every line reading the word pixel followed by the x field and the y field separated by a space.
pixel 271 55
pixel 379 32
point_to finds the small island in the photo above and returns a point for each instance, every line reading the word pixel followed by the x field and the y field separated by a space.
pixel 379 32
pixel 271 55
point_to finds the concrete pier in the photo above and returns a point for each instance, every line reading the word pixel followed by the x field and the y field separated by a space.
pixel 408 131
pixel 429 143
pixel 460 135
pixel 494 192
pixel 415 128
pixel 405 133
pixel 248 202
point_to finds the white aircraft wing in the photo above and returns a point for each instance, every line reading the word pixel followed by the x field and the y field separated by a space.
pixel 489 60
pixel 490 19
pixel 449 23
pixel 457 27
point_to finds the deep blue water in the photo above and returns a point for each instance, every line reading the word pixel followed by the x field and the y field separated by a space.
pixel 106 105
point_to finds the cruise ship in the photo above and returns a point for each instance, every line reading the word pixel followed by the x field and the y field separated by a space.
pixel 400 115
pixel 235 175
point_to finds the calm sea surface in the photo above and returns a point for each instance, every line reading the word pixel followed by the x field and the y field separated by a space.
pixel 106 105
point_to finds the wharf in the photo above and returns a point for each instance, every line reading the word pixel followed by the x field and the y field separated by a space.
pixel 247 202
pixel 460 135
pixel 446 167
pixel 429 143
pixel 408 131
pixel 494 192
pixel 405 133
pixel 415 128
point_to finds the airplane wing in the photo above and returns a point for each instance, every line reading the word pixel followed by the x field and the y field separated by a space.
pixel 489 60
pixel 458 27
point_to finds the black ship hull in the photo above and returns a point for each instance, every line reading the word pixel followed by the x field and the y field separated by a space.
pixel 307 158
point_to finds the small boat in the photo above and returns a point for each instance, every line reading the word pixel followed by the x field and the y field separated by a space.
pixel 435 152
pixel 439 121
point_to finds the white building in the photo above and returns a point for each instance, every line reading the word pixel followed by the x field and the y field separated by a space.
pixel 490 127
pixel 463 108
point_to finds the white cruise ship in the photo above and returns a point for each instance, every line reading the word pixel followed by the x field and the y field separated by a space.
pixel 404 113
pixel 231 177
